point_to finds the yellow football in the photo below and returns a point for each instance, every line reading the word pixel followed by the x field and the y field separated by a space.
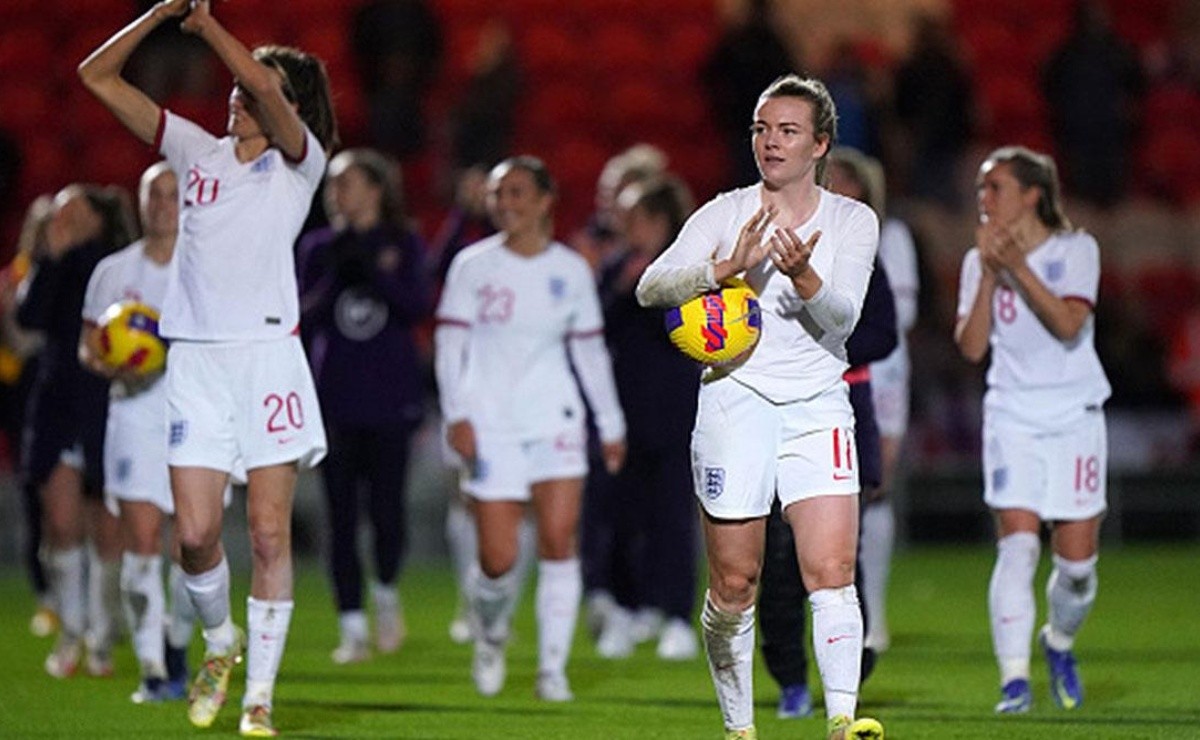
pixel 129 338
pixel 720 327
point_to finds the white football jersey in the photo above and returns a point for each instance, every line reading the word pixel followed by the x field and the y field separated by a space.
pixel 898 255
pixel 795 359
pixel 129 275
pixel 515 379
pixel 1034 378
pixel 233 276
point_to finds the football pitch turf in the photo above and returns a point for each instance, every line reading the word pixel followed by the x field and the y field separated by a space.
pixel 1139 656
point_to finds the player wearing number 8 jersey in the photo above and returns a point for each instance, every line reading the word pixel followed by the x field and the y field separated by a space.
pixel 1027 292
pixel 239 390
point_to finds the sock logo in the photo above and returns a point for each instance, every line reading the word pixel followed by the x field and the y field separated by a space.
pixel 837 639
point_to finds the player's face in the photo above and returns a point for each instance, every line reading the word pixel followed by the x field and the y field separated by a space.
pixel 515 204
pixel 353 193
pixel 74 220
pixel 645 232
pixel 786 146
pixel 160 205
pixel 1001 198
pixel 242 123
pixel 843 182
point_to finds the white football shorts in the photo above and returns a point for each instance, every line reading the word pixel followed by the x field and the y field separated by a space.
pixel 1062 476
pixel 505 467
pixel 746 450
pixel 135 450
pixel 237 406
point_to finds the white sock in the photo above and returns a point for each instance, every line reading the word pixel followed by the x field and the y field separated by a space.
pixel 527 555
pixel 729 642
pixel 145 610
pixel 385 596
pixel 1011 604
pixel 876 539
pixel 209 592
pixel 353 626
pixel 68 586
pixel 1070 591
pixel 492 603
pixel 837 632
pixel 559 590
pixel 103 601
pixel 463 542
pixel 182 618
pixel 268 624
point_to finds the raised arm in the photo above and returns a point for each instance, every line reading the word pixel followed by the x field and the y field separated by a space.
pixel 273 104
pixel 101 72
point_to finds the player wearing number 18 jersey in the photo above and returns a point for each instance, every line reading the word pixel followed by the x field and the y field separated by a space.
pixel 239 390
pixel 1027 292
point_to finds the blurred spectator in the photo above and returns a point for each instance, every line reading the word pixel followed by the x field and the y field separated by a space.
pixel 599 237
pixel 1093 85
pixel 363 287
pixel 466 223
pixel 749 55
pixel 481 124
pixel 398 49
pixel 19 351
pixel 846 79
pixel 64 428
pixel 934 108
pixel 639 526
pixel 1184 366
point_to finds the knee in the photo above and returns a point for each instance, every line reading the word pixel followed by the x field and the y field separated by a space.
pixel 830 572
pixel 269 541
pixel 554 546
pixel 196 541
pixel 733 591
pixel 496 564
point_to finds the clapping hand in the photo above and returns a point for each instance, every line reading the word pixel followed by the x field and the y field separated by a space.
pixel 790 254
pixel 750 248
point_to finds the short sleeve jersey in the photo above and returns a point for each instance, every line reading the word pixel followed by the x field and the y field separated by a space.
pixel 129 275
pixel 1034 377
pixel 520 312
pixel 794 360
pixel 233 277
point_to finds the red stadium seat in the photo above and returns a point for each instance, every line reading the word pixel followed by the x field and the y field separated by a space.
pixel 27 106
pixel 23 48
pixel 550 49
pixel 619 48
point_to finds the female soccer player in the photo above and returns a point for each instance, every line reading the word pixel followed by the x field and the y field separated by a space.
pixel 136 483
pixel 238 386
pixel 513 306
pixel 780 424
pixel 1027 292
pixel 64 436
pixel 363 289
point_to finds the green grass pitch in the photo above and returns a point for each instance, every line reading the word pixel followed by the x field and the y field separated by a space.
pixel 1139 657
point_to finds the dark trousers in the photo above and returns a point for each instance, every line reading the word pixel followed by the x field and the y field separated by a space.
pixel 639 531
pixel 32 498
pixel 366 466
